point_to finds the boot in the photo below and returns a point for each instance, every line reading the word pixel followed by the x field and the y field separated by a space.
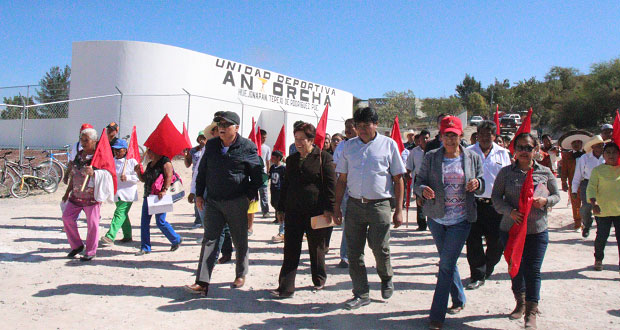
pixel 519 310
pixel 531 309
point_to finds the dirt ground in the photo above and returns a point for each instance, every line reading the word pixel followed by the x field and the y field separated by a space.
pixel 42 289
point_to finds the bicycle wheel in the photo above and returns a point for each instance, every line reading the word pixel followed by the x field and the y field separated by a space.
pixel 49 184
pixel 6 181
pixel 19 190
pixel 52 169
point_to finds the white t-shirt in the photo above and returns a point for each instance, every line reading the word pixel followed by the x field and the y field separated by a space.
pixel 266 155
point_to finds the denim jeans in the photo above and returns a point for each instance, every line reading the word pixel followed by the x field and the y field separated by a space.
pixel 449 241
pixel 162 224
pixel 603 227
pixel 528 279
pixel 264 201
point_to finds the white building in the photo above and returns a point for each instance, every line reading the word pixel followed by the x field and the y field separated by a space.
pixel 189 86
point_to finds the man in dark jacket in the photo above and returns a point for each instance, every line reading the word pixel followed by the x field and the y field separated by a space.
pixel 231 172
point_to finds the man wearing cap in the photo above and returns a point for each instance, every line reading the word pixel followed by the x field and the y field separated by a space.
pixel 583 169
pixel 231 172
pixel 112 131
pixel 606 132
pixel 371 169
pixel 481 262
pixel 193 157
pixel 572 145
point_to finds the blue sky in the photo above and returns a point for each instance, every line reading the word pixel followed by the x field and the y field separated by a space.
pixel 366 48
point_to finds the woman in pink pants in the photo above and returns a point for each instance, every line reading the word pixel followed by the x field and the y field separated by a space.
pixel 78 200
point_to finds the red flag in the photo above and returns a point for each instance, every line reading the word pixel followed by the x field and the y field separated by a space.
pixel 615 137
pixel 166 139
pixel 134 151
pixel 280 143
pixel 321 129
pixel 186 137
pixel 526 127
pixel 496 119
pixel 254 137
pixel 103 158
pixel 516 236
pixel 396 136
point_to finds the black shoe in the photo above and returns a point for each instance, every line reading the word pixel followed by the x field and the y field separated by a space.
pixel 224 258
pixel 421 229
pixel 473 285
pixel 455 309
pixel 126 240
pixel 176 246
pixel 387 289
pixel 142 252
pixel 356 303
pixel 75 252
pixel 275 294
pixel 343 264
pixel 86 258
pixel 585 233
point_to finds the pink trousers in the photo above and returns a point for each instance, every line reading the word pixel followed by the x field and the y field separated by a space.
pixel 69 219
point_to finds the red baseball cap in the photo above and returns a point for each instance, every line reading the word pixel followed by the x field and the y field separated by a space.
pixel 85 126
pixel 451 124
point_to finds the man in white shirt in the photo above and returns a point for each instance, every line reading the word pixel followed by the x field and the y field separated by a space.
pixel 371 170
pixel 494 157
pixel 583 169
pixel 266 156
pixel 414 164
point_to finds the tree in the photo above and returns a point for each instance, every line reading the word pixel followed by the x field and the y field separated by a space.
pixel 14 112
pixel 401 104
pixel 432 107
pixel 54 86
pixel 477 105
pixel 467 87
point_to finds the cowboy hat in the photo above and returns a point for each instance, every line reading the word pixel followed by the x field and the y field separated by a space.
pixel 207 130
pixel 407 133
pixel 597 139
pixel 567 139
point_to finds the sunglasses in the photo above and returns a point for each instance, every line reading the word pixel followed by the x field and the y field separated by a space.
pixel 224 124
pixel 526 147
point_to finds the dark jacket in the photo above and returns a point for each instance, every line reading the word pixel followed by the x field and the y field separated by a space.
pixel 431 175
pixel 227 176
pixel 304 192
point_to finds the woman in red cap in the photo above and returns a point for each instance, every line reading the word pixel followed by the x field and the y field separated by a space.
pixel 448 180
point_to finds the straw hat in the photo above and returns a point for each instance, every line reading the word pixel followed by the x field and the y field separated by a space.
pixel 567 139
pixel 207 130
pixel 597 139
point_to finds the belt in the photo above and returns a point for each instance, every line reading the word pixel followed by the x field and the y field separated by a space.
pixel 484 200
pixel 366 200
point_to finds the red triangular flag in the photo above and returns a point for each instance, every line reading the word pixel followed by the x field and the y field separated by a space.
pixel 280 143
pixel 188 142
pixel 396 136
pixel 259 141
pixel 321 129
pixel 103 158
pixel 253 136
pixel 134 151
pixel 526 127
pixel 516 236
pixel 496 119
pixel 166 139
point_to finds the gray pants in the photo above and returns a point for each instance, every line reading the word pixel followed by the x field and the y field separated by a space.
pixel 367 221
pixel 234 213
pixel 586 208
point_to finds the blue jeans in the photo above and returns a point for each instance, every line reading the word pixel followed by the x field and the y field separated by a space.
pixel 528 279
pixel 162 224
pixel 449 241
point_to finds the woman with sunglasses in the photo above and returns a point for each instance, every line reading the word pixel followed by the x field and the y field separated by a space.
pixel 505 196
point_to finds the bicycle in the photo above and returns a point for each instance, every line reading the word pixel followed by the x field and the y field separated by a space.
pixel 55 163
pixel 41 177
pixel 7 177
